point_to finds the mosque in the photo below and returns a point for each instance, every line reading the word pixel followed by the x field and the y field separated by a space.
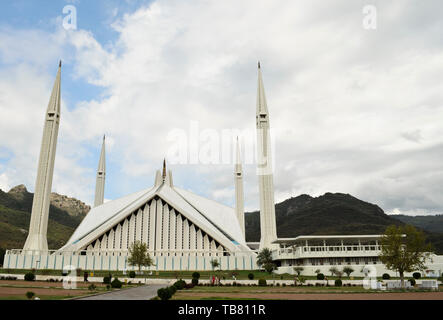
pixel 182 230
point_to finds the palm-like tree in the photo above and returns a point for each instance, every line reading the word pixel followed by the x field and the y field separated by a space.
pixel 264 260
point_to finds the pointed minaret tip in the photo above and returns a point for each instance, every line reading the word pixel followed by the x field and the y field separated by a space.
pixel 164 169
pixel 60 64
pixel 259 65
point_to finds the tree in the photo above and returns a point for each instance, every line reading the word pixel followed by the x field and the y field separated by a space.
pixel 214 264
pixel 299 270
pixel 404 249
pixel 333 271
pixel 139 256
pixel 264 260
pixel 348 271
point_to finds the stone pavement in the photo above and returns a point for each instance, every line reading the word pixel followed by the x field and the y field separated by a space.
pixel 139 293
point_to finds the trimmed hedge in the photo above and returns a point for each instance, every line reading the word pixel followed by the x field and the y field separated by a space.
pixel 320 276
pixel 196 275
pixel 164 293
pixel 194 281
pixel 180 284
pixel 116 283
pixel 107 280
pixel 262 282
pixel 412 281
pixel 416 275
pixel 386 276
pixel 338 283
pixel 131 274
pixel 29 276
pixel 251 276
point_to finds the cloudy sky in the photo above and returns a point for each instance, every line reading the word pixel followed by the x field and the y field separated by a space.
pixel 353 109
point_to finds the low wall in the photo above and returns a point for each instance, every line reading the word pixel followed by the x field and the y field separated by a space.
pixel 375 270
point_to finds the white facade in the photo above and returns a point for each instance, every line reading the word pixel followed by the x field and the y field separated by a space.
pixel 40 206
pixel 321 253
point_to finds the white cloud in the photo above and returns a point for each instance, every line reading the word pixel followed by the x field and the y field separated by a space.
pixel 357 111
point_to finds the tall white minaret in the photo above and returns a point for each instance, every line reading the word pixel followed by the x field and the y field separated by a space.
pixel 38 226
pixel 264 170
pixel 239 195
pixel 101 177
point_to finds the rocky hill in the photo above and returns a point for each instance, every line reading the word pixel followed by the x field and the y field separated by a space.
pixel 65 214
pixel 332 213
pixel 72 206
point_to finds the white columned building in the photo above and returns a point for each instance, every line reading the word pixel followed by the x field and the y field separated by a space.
pixel 37 239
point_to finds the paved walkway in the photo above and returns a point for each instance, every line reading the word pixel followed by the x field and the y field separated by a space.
pixel 139 293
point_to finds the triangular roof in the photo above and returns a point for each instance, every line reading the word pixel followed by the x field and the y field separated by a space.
pixel 217 220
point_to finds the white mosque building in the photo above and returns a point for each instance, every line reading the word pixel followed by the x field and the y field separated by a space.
pixel 182 230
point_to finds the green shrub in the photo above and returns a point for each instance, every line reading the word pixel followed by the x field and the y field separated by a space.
pixel 320 276
pixel 164 293
pixel 412 281
pixel 416 275
pixel 29 276
pixel 116 283
pixel 386 276
pixel 196 275
pixel 92 287
pixel 251 276
pixel 194 281
pixel 338 283
pixel 180 284
pixel 108 287
pixel 262 282
pixel 107 280
pixel 172 289
pixel 30 295
pixel 131 274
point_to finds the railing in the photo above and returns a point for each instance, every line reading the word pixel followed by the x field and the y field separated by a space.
pixel 325 251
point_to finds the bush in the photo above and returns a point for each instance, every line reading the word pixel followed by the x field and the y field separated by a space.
pixel 412 281
pixel 320 276
pixel 108 287
pixel 189 286
pixel 116 283
pixel 251 276
pixel 164 293
pixel 196 275
pixel 172 290
pixel 107 280
pixel 416 275
pixel 131 274
pixel 386 276
pixel 92 287
pixel 338 283
pixel 194 281
pixel 262 282
pixel 30 295
pixel 180 284
pixel 29 276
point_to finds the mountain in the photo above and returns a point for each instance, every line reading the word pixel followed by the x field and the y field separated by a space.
pixel 65 214
pixel 428 223
pixel 331 213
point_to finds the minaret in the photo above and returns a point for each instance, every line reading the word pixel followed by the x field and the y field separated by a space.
pixel 239 195
pixel 38 226
pixel 101 177
pixel 264 170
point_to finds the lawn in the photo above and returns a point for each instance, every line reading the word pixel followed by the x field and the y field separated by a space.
pixel 16 290
pixel 299 293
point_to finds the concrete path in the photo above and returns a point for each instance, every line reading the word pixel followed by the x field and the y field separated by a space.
pixel 139 293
